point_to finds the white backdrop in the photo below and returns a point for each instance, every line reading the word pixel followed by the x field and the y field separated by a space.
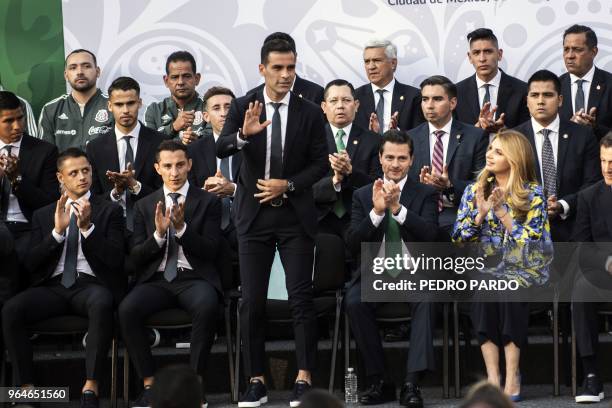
pixel 133 37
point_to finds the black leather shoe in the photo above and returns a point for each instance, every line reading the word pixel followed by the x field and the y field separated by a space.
pixel 378 393
pixel 399 333
pixel 410 396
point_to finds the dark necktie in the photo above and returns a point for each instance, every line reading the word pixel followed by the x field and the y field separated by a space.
pixel 170 270
pixel 339 207
pixel 72 250
pixel 380 111
pixel 225 201
pixel 393 241
pixel 487 95
pixel 437 160
pixel 5 192
pixel 276 146
pixel 549 169
pixel 129 203
pixel 579 102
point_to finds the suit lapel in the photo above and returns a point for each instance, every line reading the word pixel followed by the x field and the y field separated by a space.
pixel 563 144
pixel 353 141
pixel 144 146
pixel 260 140
pixel 292 127
pixel 209 154
pixel 531 137
pixel 331 143
pixel 191 203
pixel 566 91
pixel 236 161
pixel 111 154
pixel 503 94
pixel 367 104
pixel 454 141
pixel 598 87
pixel 421 143
pixel 397 102
pixel 472 96
pixel 25 152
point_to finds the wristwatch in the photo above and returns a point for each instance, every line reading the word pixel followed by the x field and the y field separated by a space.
pixel 290 186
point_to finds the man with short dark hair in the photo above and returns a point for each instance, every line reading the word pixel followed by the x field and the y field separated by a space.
pixel 180 115
pixel 490 99
pixel 76 263
pixel 586 89
pixel 29 115
pixel 74 119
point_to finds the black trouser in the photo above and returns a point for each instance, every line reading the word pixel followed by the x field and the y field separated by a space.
pixel 501 322
pixel 87 297
pixel 276 226
pixel 198 297
pixel 362 317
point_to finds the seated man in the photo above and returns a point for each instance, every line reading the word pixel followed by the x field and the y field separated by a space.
pixel 174 246
pixel 76 262
pixel 392 210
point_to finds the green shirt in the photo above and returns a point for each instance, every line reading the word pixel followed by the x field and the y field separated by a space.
pixel 161 116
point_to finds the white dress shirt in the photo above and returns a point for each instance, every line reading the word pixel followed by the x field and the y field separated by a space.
pixel 445 141
pixel 82 264
pixel 182 261
pixel 586 87
pixel 400 217
pixel 347 132
pixel 388 98
pixel 229 163
pixel 14 213
pixel 493 90
pixel 121 149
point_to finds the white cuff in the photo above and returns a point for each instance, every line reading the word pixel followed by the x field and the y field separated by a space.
pixel 337 187
pixel 566 209
pixel 375 218
pixel 401 216
pixel 59 238
pixel 87 233
pixel 160 241
pixel 180 233
pixel 136 189
pixel 121 200
pixel 235 187
pixel 608 262
pixel 240 142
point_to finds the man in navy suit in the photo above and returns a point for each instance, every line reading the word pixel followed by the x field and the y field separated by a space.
pixel 448 153
pixel 586 89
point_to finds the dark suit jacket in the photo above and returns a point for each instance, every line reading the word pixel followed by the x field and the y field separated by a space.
pixel 467 147
pixel 303 88
pixel 103 156
pixel 203 155
pixel 8 260
pixel 406 100
pixel 511 100
pixel 362 147
pixel 104 249
pixel 420 225
pixel 577 168
pixel 38 167
pixel 304 158
pixel 199 242
pixel 600 96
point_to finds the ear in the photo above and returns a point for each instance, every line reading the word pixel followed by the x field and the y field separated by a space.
pixel 560 100
pixel 198 76
pixel 109 103
pixel 206 116
pixel 97 72
pixel 356 105
pixel 500 54
pixel 453 102
pixel 394 63
pixel 157 168
pixel 166 81
pixel 262 69
pixel 139 103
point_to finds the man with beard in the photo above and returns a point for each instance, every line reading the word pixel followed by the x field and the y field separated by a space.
pixel 73 119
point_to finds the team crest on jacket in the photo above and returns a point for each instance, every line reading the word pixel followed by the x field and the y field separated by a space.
pixel 102 116
pixel 198 118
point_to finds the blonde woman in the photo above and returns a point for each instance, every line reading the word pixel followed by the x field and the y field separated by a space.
pixel 505 210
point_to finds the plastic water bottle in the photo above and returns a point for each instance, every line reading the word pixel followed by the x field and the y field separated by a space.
pixel 350 386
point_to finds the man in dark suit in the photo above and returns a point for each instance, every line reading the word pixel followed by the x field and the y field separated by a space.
pixel 490 99
pixel 174 245
pixel 566 152
pixel 399 105
pixel 586 89
pixel 447 153
pixel 353 158
pixel 27 171
pixel 301 87
pixel 282 140
pixel 123 159
pixel 76 262
pixel 396 209
pixel 593 228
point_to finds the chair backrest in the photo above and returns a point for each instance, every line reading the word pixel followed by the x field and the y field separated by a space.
pixel 329 265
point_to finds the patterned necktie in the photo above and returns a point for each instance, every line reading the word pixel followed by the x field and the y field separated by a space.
pixel 129 203
pixel 5 192
pixel 579 102
pixel 380 111
pixel 339 207
pixel 225 201
pixel 276 146
pixel 72 250
pixel 393 241
pixel 437 160
pixel 549 169
pixel 170 270
pixel 487 95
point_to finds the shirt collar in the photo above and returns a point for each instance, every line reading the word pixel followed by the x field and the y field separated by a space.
pixel 215 136
pixel 347 129
pixel 182 191
pixel 284 101
pixel 554 125
pixel 401 183
pixel 446 128
pixel 16 144
pixel 494 81
pixel 134 132
pixel 389 87
pixel 87 195
pixel 588 77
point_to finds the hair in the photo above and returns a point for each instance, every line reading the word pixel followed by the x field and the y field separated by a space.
pixel 170 146
pixel 485 394
pixel 482 34
pixel 9 101
pixel 545 75
pixel 214 91
pixel 278 35
pixel 275 45
pixel 390 48
pixel 339 82
pixel 449 87
pixel 124 84
pixel 180 56
pixel 397 137
pixel 177 386
pixel 606 141
pixel 591 37
pixel 320 399
pixel 78 51
pixel 520 156
pixel 70 153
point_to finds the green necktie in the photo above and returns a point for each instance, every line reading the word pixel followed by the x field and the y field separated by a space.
pixel 393 241
pixel 339 208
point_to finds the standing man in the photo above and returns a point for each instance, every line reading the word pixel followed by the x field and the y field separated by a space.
pixel 586 89
pixel 123 159
pixel 385 103
pixel 490 99
pixel 448 154
pixel 282 140
pixel 29 115
pixel 74 119
pixel 76 262
pixel 174 246
pixel 180 115
pixel 566 152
